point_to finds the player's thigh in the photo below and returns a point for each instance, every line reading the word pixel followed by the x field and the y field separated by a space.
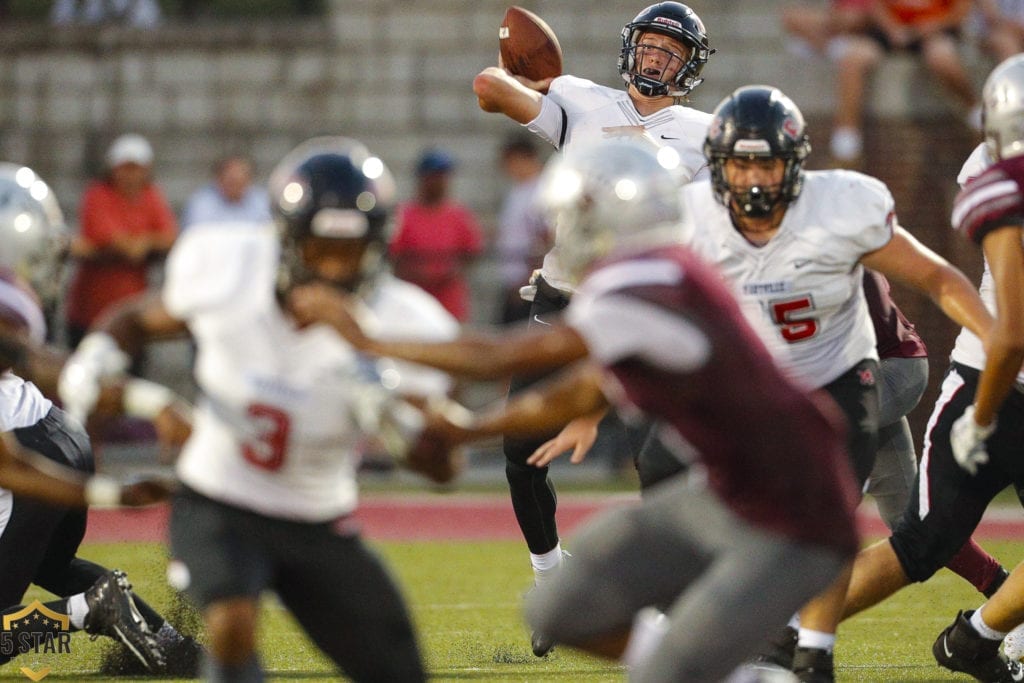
pixel 631 557
pixel 218 551
pixel 26 527
pixel 344 597
pixel 892 478
pixel 946 503
pixel 903 382
pixel 856 394
pixel 750 588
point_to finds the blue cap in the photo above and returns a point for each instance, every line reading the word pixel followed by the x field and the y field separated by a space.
pixel 433 161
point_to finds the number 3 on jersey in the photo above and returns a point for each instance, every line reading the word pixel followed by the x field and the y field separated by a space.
pixel 786 314
pixel 267 448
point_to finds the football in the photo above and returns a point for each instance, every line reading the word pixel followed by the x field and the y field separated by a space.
pixel 528 46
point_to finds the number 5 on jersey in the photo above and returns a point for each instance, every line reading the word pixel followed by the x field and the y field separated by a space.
pixel 787 315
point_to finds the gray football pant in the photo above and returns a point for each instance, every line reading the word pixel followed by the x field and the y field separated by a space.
pixel 903 381
pixel 728 583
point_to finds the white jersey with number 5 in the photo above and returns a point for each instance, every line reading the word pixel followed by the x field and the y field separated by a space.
pixel 274 430
pixel 802 290
pixel 577 112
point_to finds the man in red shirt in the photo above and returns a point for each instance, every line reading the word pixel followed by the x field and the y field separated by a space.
pixel 125 224
pixel 436 236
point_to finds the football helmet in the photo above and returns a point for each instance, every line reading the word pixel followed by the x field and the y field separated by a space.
pixel 332 187
pixel 33 236
pixel 676 20
pixel 757 122
pixel 1002 100
pixel 613 195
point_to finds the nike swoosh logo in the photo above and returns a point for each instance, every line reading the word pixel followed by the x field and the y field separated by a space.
pixel 537 320
pixel 945 647
pixel 666 137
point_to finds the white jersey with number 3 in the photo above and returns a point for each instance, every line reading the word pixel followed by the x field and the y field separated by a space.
pixel 274 430
pixel 802 290
pixel 578 112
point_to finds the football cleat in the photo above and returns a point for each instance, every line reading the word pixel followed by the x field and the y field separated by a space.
pixel 960 648
pixel 113 613
pixel 812 665
pixel 778 648
pixel 541 644
pixel 1013 644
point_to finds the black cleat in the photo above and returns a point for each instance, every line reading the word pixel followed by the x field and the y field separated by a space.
pixel 960 648
pixel 541 644
pixel 812 665
pixel 778 649
pixel 112 613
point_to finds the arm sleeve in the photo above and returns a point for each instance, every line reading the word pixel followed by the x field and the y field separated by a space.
pixel 617 327
pixel 551 123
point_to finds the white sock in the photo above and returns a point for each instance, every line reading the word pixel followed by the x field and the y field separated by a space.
pixel 983 629
pixel 546 564
pixel 819 640
pixel 78 608
pixel 846 144
pixel 649 627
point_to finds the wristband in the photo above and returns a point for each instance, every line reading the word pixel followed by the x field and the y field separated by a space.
pixel 102 490
pixel 146 399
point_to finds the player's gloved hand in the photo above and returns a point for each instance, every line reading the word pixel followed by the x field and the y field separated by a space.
pixel 147 491
pixel 967 438
pixel 96 357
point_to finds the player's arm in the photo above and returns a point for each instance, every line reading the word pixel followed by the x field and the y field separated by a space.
pixel 539 410
pixel 906 260
pixel 106 353
pixel 1004 348
pixel 30 474
pixel 498 91
pixel 474 355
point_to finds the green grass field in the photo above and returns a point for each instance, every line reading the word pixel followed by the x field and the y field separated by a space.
pixel 466 598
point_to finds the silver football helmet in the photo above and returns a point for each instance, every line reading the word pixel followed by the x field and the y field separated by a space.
pixel 614 195
pixel 33 235
pixel 1003 109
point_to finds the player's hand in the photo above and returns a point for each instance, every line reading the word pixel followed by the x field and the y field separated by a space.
pixel 967 439
pixel 173 426
pixel 316 302
pixel 577 436
pixel 78 386
pixel 147 491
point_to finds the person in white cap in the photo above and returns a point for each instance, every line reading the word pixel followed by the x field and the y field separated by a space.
pixel 125 224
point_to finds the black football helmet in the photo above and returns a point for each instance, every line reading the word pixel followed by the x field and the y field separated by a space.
pixel 332 187
pixel 676 20
pixel 757 122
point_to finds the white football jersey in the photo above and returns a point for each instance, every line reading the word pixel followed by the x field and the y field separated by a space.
pixel 21 402
pixel 274 430
pixel 576 111
pixel 802 290
pixel 968 349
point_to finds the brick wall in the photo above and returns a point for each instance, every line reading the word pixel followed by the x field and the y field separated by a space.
pixel 397 74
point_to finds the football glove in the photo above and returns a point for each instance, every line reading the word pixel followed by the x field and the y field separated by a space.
pixel 97 357
pixel 967 438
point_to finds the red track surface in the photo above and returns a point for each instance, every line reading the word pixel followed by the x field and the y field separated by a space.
pixel 421 517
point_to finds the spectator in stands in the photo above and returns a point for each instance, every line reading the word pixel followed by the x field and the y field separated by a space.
pixel 928 28
pixel 436 236
pixel 133 13
pixel 125 226
pixel 816 27
pixel 1002 34
pixel 522 234
pixel 230 197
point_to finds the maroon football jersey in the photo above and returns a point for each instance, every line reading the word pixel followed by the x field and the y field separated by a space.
pixel 677 347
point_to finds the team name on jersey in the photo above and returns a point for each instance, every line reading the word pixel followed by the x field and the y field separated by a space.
pixel 758 288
